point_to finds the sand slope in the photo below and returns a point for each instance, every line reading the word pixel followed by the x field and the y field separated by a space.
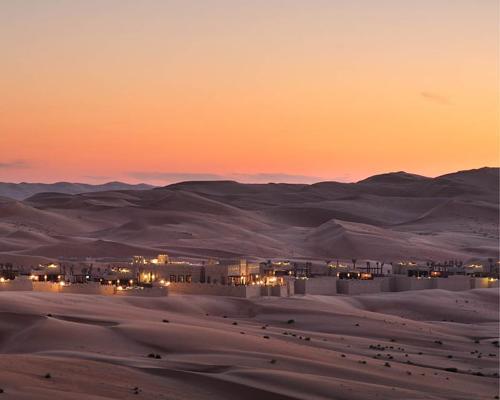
pixel 226 348
pixel 390 216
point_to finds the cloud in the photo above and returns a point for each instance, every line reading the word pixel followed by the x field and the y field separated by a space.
pixel 264 177
pixel 436 98
pixel 175 176
pixel 98 177
pixel 14 164
pixel 276 177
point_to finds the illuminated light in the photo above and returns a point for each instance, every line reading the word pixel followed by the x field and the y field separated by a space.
pixel 2 279
pixel 109 282
pixel 33 277
pixel 154 261
pixel 131 281
pixel 120 288
pixel 52 266
pixel 167 284
pixel 62 283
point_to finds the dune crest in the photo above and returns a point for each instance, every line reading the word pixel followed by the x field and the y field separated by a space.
pixel 387 216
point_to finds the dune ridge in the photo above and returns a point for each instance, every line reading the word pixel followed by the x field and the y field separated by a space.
pixel 390 216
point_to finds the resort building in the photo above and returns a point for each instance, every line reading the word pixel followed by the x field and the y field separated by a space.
pixel 8 272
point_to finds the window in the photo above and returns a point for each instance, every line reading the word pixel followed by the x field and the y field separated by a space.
pixel 172 278
pixel 188 279
pixel 180 278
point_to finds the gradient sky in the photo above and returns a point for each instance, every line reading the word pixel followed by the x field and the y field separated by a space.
pixel 259 90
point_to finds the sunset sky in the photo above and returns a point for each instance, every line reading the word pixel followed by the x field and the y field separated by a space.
pixel 262 90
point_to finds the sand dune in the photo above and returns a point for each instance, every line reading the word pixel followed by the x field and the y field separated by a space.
pixel 20 191
pixel 337 347
pixel 388 217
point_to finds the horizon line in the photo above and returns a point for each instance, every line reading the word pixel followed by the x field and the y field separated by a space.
pixel 314 180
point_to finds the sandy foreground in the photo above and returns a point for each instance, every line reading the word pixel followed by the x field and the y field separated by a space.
pixel 384 346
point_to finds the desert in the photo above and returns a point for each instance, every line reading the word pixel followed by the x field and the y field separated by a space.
pixel 430 344
pixel 388 217
pixel 255 200
pixel 390 320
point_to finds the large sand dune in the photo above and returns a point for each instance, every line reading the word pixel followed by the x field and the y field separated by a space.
pixel 390 216
pixel 411 345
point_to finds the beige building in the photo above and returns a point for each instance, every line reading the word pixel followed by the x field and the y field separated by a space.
pixel 225 272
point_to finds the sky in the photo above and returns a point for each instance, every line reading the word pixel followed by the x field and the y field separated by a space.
pixel 297 91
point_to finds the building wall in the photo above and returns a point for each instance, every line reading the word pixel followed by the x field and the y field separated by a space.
pixel 387 283
pixel 18 284
pixel 494 284
pixel 279 291
pixel 165 271
pixel 452 282
pixel 78 288
pixel 479 283
pixel 404 283
pixel 146 292
pixel 46 287
pixel 218 273
pixel 324 285
pixel 88 288
pixel 215 289
pixel 356 287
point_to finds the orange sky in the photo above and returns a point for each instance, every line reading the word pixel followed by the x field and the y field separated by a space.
pixel 159 91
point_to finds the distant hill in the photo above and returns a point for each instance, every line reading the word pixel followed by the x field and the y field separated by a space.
pixel 20 191
pixel 388 217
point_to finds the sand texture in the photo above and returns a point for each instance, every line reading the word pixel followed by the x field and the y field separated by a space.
pixel 384 346
pixel 386 217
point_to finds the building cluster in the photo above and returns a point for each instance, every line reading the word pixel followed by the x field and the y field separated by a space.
pixel 244 278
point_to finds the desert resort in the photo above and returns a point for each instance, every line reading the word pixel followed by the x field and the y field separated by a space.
pixel 161 276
